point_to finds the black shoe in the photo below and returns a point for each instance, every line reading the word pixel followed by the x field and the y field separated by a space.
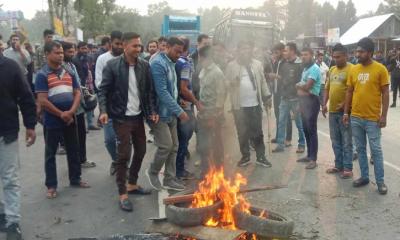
pixel 94 128
pixel 393 105
pixel 14 232
pixel 382 188
pixel 126 205
pixel 3 222
pixel 244 162
pixel 360 182
pixel 140 191
pixel 186 175
pixel 263 162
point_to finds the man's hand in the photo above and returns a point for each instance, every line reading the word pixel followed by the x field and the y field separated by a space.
pixel 103 118
pixel 346 119
pixel 184 117
pixel 67 117
pixel 324 110
pixel 382 122
pixel 154 118
pixel 18 47
pixel 30 137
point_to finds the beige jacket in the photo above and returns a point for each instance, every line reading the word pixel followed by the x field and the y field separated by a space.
pixel 233 74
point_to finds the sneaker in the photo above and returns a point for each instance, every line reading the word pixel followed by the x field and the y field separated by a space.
pixel 303 160
pixel 360 182
pixel 355 156
pixel 186 176
pixel 173 185
pixel 382 188
pixel 88 164
pixel 61 150
pixel 244 161
pixel 94 128
pixel 263 162
pixel 14 232
pixel 311 165
pixel 278 149
pixel 3 222
pixel 113 170
pixel 153 180
pixel 393 105
pixel 126 205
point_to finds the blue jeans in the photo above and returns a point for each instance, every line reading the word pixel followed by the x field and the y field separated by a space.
pixel 284 114
pixel 110 139
pixel 362 129
pixel 341 142
pixel 185 133
pixel 9 174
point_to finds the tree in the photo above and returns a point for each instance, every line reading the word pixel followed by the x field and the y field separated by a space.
pixel 394 6
pixel 350 16
pixel 94 14
pixel 210 18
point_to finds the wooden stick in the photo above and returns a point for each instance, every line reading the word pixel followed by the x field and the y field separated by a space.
pixel 189 197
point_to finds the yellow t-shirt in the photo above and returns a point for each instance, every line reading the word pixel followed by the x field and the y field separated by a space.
pixel 367 96
pixel 337 86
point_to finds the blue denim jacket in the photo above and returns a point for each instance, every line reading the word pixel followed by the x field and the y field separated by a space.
pixel 165 83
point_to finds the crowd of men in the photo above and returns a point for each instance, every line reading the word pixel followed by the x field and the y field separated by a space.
pixel 178 94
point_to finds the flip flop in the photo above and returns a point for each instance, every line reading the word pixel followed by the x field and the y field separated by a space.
pixel 333 170
pixel 51 193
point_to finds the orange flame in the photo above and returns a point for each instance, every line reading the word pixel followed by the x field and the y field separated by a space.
pixel 216 187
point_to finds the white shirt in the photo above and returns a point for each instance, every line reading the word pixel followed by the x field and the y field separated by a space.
pixel 133 106
pixel 100 64
pixel 248 95
pixel 324 70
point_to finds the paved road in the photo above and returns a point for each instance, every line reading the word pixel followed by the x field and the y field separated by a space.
pixel 322 206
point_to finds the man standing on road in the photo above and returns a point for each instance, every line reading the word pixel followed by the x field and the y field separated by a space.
pixel 291 69
pixel 394 69
pixel 335 93
pixel 59 96
pixel 18 54
pixel 211 116
pixel 15 94
pixel 165 131
pixel 248 92
pixel 127 96
pixel 308 90
pixel 40 57
pixel 324 69
pixel 110 139
pixel 368 98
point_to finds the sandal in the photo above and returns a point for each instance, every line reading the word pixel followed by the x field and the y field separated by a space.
pixel 346 174
pixel 81 185
pixel 333 170
pixel 51 193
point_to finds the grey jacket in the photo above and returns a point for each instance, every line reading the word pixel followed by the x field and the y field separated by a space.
pixel 233 75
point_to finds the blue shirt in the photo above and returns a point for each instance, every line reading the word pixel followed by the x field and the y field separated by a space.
pixel 313 72
pixel 59 85
pixel 184 72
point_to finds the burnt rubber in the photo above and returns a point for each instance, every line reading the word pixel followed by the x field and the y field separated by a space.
pixel 274 226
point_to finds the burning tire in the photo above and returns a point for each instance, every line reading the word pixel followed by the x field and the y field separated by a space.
pixel 274 225
pixel 182 215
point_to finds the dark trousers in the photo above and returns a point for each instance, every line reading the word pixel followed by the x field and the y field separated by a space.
pixel 395 87
pixel 80 121
pixel 309 109
pixel 248 122
pixel 185 133
pixel 129 132
pixel 277 102
pixel 52 139
pixel 211 146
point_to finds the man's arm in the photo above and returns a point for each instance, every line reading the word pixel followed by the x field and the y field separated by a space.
pixel 77 100
pixel 106 85
pixel 99 71
pixel 347 104
pixel 44 102
pixel 25 101
pixel 385 105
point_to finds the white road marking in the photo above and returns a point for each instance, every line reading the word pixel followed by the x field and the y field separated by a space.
pixel 389 164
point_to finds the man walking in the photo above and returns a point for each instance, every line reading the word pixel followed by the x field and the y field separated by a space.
pixel 59 95
pixel 394 69
pixel 291 69
pixel 308 90
pixel 15 94
pixel 368 98
pixel 18 54
pixel 116 50
pixel 127 96
pixel 248 91
pixel 165 131
pixel 335 93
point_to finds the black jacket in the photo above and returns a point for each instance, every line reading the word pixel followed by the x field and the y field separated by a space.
pixel 113 92
pixel 291 74
pixel 14 92
pixel 81 63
